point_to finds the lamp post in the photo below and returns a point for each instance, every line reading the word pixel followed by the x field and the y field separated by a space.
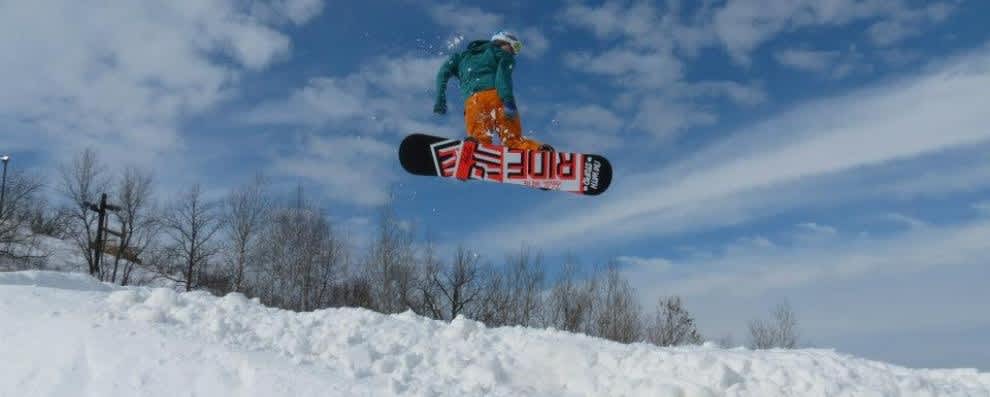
pixel 3 184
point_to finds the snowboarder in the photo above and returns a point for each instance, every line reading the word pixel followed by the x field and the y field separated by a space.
pixel 485 74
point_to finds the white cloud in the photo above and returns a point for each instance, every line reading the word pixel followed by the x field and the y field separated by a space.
pixel 970 173
pixel 589 116
pixel 349 169
pixel 812 227
pixel 587 126
pixel 646 64
pixel 535 43
pixel 630 67
pixel 786 162
pixel 746 246
pixel 295 11
pixel 359 101
pixel 741 94
pixel 900 57
pixel 907 23
pixel 321 101
pixel 757 270
pixel 644 26
pixel 811 232
pixel 807 60
pixel 469 21
pixel 612 19
pixel 664 118
pixel 477 24
pixel 905 220
pixel 653 265
pixel 744 25
pixel 846 281
pixel 122 75
pixel 354 170
pixel 648 48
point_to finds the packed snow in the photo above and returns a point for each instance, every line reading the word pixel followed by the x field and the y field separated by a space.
pixel 67 334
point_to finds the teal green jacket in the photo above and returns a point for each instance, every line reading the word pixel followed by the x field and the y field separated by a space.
pixel 482 66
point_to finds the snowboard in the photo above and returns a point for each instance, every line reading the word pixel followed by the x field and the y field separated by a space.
pixel 580 173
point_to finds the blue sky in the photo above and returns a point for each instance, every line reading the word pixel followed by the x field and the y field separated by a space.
pixel 828 153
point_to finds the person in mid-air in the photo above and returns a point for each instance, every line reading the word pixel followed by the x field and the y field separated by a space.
pixel 484 71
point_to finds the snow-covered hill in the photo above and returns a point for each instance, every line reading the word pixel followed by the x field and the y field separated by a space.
pixel 66 334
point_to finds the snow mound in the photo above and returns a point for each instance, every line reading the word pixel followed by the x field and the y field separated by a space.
pixel 50 279
pixel 96 341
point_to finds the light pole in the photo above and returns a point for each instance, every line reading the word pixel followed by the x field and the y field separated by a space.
pixel 3 184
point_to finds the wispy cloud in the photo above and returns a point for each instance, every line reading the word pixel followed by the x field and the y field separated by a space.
pixel 856 285
pixel 807 60
pixel 536 42
pixel 811 231
pixel 475 23
pixel 784 162
pixel 377 102
pixel 743 26
pixel 586 126
pixel 906 23
pixel 380 98
pixel 466 20
pixel 630 67
pixel 348 169
pixel 649 64
pixel 123 76
pixel 905 220
pixel 755 270
pixel 741 94
pixel 651 265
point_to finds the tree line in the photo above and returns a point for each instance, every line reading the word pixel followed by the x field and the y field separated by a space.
pixel 288 254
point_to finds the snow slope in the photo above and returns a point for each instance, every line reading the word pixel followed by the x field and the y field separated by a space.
pixel 69 335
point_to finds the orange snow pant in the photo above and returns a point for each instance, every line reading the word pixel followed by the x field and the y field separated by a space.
pixel 484 115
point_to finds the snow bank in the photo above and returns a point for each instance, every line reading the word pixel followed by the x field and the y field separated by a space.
pixel 59 280
pixel 62 335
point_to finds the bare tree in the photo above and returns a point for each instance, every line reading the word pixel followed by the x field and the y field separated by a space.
pixel 672 325
pixel 523 281
pixel 390 263
pixel 512 294
pixel 191 223
pixel 726 340
pixel 17 244
pixel 779 332
pixel 83 181
pixel 303 259
pixel 136 219
pixel 617 315
pixel 353 292
pixel 496 305
pixel 246 211
pixel 47 220
pixel 429 296
pixel 458 283
pixel 571 301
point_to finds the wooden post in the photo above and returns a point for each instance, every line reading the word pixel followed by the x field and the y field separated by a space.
pixel 101 231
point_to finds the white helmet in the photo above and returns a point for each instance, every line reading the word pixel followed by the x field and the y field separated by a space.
pixel 509 37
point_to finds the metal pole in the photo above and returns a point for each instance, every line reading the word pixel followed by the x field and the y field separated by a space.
pixel 3 184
